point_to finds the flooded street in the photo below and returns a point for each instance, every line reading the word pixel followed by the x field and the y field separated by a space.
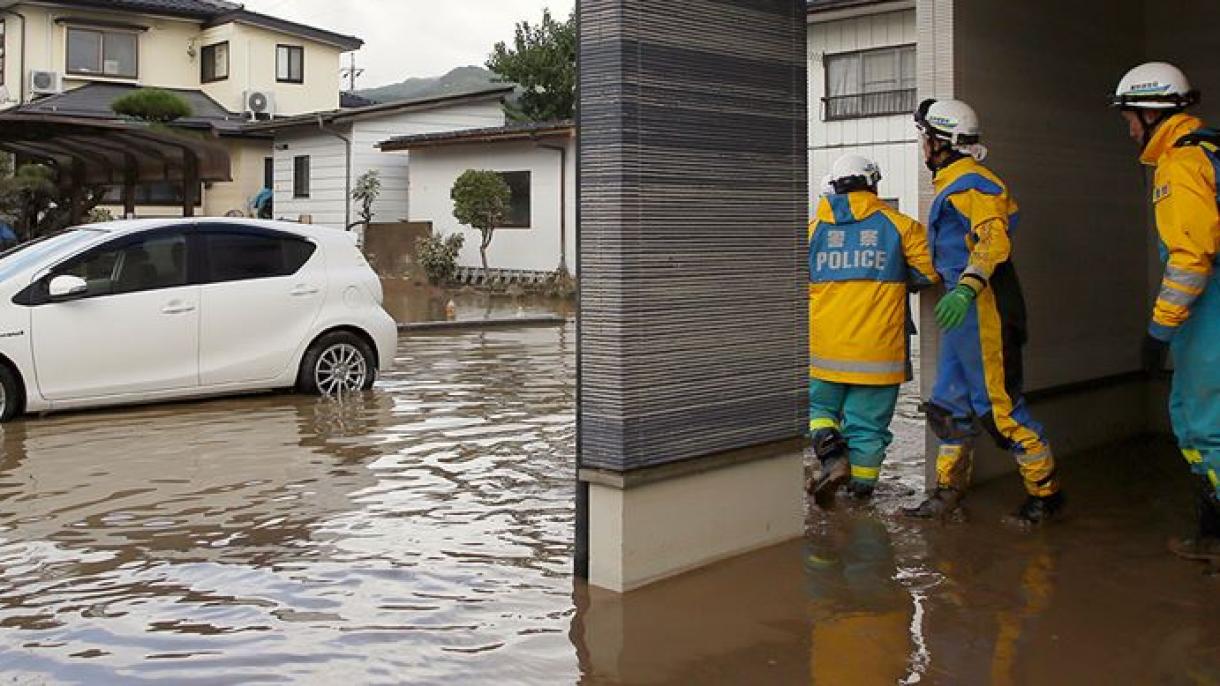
pixel 423 534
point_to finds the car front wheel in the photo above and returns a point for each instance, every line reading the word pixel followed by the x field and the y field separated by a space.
pixel 336 364
pixel 10 394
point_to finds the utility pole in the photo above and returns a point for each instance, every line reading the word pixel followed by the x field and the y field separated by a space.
pixel 351 73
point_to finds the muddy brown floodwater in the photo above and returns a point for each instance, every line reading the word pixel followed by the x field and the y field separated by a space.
pixel 422 535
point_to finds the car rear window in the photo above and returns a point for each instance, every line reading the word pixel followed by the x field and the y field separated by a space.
pixel 243 256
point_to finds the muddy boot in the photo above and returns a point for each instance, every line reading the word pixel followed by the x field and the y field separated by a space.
pixel 1205 544
pixel 944 502
pixel 834 473
pixel 1037 510
pixel 860 492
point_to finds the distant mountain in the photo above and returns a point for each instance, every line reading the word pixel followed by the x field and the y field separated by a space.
pixel 460 80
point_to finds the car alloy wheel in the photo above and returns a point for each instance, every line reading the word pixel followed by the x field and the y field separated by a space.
pixel 341 368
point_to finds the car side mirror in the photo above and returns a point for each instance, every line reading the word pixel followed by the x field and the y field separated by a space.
pixel 66 287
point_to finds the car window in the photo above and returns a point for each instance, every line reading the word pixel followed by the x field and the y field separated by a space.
pixel 155 262
pixel 233 256
pixel 29 254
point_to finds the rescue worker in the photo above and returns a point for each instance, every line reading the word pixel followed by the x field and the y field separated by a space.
pixel 1153 99
pixel 862 254
pixel 979 371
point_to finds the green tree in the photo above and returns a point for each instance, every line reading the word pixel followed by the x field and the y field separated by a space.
pixel 480 201
pixel 152 105
pixel 37 204
pixel 542 60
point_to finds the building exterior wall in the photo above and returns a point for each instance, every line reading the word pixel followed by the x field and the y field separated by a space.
pixel 889 140
pixel 434 170
pixel 328 160
pixel 246 162
pixel 326 204
pixel 392 206
pixel 252 66
pixel 165 58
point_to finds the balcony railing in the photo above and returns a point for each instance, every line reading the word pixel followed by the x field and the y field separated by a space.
pixel 868 105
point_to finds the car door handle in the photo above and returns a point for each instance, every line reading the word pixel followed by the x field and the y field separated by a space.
pixel 303 289
pixel 177 308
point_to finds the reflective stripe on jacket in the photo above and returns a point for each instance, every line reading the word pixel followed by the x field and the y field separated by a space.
pixel 862 255
pixel 1187 220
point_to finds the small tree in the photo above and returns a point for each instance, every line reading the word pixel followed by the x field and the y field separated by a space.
pixel 152 105
pixel 542 60
pixel 480 201
pixel 438 256
pixel 366 192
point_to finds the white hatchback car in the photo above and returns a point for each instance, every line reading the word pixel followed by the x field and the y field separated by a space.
pixel 146 310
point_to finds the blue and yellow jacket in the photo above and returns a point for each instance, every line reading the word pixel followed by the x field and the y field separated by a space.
pixel 1187 219
pixel 970 226
pixel 862 255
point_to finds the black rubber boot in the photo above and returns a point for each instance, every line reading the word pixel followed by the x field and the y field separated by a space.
pixel 860 491
pixel 1205 544
pixel 1038 510
pixel 942 503
pixel 834 468
pixel 834 473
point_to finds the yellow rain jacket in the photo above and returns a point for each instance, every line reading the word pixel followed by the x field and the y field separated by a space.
pixel 862 256
pixel 1184 194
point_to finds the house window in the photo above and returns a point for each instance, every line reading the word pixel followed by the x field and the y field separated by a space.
pixel 300 176
pixel 870 83
pixel 94 52
pixel 518 216
pixel 268 172
pixel 289 64
pixel 214 60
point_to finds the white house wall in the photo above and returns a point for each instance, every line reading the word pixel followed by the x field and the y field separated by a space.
pixel 327 199
pixel 890 140
pixel 433 172
pixel 392 205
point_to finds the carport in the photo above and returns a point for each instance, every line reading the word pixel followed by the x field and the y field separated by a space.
pixel 693 205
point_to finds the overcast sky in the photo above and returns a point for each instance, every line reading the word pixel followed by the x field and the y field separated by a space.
pixel 404 38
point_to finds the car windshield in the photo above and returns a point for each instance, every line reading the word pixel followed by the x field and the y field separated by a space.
pixel 30 253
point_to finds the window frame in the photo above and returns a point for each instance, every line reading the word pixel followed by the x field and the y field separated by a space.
pixel 301 189
pixel 101 73
pixel 290 48
pixel 204 276
pixel 3 49
pixel 861 55
pixel 529 209
pixel 204 62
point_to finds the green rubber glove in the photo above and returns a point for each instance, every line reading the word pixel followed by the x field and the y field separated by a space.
pixel 951 310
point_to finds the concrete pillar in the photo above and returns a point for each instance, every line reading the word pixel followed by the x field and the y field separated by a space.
pixel 693 324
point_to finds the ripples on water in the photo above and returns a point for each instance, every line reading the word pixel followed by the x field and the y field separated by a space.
pixel 415 534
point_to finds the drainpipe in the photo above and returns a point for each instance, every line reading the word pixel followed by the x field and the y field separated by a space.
pixel 563 203
pixel 22 76
pixel 347 172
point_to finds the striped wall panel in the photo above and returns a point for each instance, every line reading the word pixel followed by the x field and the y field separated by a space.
pixel 693 203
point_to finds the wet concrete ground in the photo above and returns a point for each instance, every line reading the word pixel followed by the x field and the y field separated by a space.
pixel 422 535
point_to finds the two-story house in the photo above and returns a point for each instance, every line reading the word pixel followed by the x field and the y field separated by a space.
pixel 63 62
pixel 862 91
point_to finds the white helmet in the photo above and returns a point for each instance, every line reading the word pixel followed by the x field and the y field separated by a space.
pixel 854 172
pixel 1154 86
pixel 948 120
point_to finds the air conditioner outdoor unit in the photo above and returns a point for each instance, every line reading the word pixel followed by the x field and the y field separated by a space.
pixel 260 104
pixel 46 82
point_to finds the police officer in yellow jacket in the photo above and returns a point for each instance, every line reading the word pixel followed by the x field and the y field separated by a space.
pixel 979 371
pixel 1153 98
pixel 862 257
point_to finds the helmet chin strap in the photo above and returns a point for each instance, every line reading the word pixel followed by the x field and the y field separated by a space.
pixel 941 146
